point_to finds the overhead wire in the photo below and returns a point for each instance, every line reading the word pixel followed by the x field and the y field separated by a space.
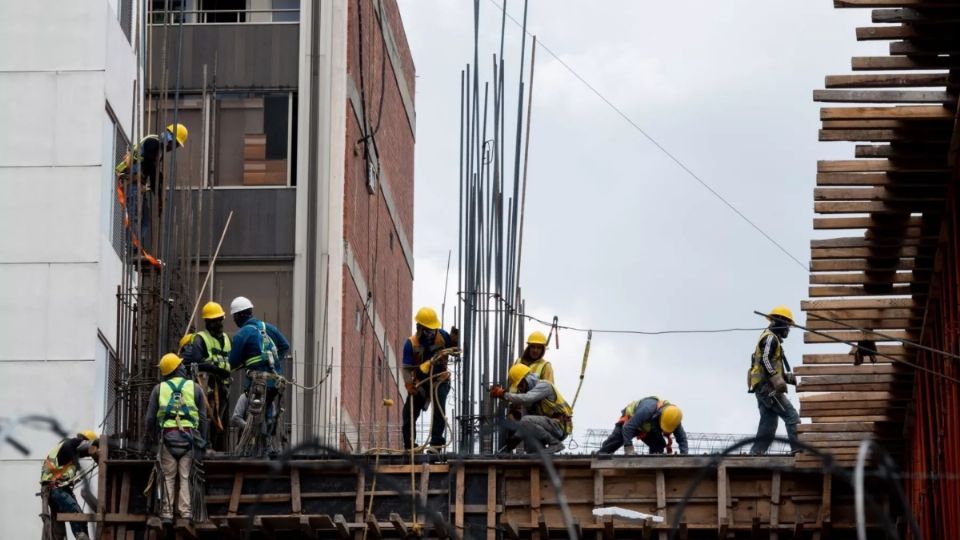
pixel 658 145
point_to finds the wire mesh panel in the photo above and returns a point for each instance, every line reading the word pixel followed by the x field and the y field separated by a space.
pixel 699 443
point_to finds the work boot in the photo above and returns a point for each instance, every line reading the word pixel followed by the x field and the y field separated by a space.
pixel 553 448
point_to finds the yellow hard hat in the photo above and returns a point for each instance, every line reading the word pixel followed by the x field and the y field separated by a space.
pixel 89 435
pixel 427 318
pixel 782 311
pixel 185 339
pixel 670 417
pixel 180 132
pixel 537 338
pixel 212 310
pixel 169 363
pixel 516 374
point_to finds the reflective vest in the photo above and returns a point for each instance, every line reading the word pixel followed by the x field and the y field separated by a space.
pixel 536 368
pixel 268 349
pixel 556 408
pixel 421 354
pixel 52 471
pixel 647 426
pixel 757 373
pixel 177 404
pixel 133 156
pixel 217 353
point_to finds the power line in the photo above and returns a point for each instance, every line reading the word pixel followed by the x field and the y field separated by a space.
pixel 657 144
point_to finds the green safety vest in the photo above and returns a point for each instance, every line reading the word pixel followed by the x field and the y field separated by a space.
pixel 134 154
pixel 52 471
pixel 628 411
pixel 266 346
pixel 757 373
pixel 217 354
pixel 557 409
pixel 174 413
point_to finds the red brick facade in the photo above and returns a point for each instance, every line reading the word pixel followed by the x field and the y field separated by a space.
pixel 371 234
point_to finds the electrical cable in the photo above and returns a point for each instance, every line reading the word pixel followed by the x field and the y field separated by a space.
pixel 659 146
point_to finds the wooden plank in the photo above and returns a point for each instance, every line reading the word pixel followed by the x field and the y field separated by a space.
pixel 306 529
pixel 911 193
pixel 826 437
pixel 927 152
pixel 399 525
pixel 850 265
pixel 775 506
pixel 846 379
pixel 855 335
pixel 917 48
pixel 899 112
pixel 825 515
pixel 866 63
pixel 510 530
pixel 841 396
pixel 874 324
pixel 887 207
pixel 865 369
pixel 102 456
pixel 295 503
pixel 863 418
pixel 884 96
pixel 491 502
pixel 235 495
pixel 359 500
pixel 878 223
pixel 458 520
pixel 846 358
pixel 884 80
pixel 870 33
pixel 864 314
pixel 840 427
pixel 535 498
pixel 875 241
pixel 373 527
pixel 853 387
pixel 662 500
pixel 910 15
pixel 874 165
pixel 937 135
pixel 859 303
pixel 723 517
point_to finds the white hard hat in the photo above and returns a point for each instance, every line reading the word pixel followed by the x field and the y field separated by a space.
pixel 239 304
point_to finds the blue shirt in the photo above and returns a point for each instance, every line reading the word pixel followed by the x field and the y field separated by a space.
pixel 412 358
pixel 246 344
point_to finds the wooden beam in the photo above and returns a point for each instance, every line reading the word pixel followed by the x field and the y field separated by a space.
pixel 875 165
pixel 865 369
pixel 929 152
pixel 884 207
pixel 373 527
pixel 510 529
pixel 900 112
pixel 864 314
pixel 853 335
pixel 884 80
pixel 662 500
pixel 871 33
pixel 884 96
pixel 876 324
pixel 903 194
pixel 491 501
pixel 910 15
pixel 841 427
pixel 921 135
pixel 723 516
pixel 867 63
pixel 859 303
pixel 775 506
pixel 914 48
pixel 343 529
pixel 608 531
pixel 875 241
pixel 399 525
pixel 878 222
pixel 848 397
pixel 855 264
pixel 460 476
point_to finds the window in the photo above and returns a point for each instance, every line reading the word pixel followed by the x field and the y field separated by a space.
pixel 223 11
pixel 120 146
pixel 165 11
pixel 125 16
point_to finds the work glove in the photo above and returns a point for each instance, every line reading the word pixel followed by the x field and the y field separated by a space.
pixel 790 378
pixel 497 392
pixel 778 383
pixel 411 387
pixel 629 451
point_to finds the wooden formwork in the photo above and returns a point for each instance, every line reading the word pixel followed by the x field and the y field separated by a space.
pixel 487 498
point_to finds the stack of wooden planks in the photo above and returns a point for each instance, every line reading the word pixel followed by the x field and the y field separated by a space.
pixel 901 111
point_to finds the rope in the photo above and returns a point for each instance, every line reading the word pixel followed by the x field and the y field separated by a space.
pixel 583 368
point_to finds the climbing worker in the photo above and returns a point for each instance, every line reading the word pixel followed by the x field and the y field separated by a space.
pixel 532 356
pixel 546 416
pixel 652 420
pixel 426 377
pixel 259 443
pixel 259 348
pixel 176 417
pixel 58 475
pixel 209 351
pixel 768 378
pixel 144 161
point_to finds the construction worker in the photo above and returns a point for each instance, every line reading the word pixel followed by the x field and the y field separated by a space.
pixel 176 415
pixel 532 356
pixel 426 377
pixel 209 351
pixel 768 378
pixel 259 348
pixel 57 478
pixel 546 416
pixel 145 161
pixel 652 420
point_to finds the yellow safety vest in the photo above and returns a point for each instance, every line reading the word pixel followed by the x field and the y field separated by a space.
pixel 133 156
pixel 557 409
pixel 217 353
pixel 177 413
pixel 52 471
pixel 536 368
pixel 757 374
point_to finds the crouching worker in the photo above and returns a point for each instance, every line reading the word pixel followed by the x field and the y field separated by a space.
pixel 652 420
pixel 545 415
pixel 57 478
pixel 177 414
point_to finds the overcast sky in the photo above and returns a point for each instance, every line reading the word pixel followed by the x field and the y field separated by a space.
pixel 618 235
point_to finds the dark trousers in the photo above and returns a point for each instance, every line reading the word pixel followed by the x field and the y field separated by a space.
pixel 219 400
pixel 654 441
pixel 62 500
pixel 771 408
pixel 418 401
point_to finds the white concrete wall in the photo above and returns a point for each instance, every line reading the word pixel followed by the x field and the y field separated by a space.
pixel 63 63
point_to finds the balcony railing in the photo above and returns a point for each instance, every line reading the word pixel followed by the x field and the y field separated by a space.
pixel 226 16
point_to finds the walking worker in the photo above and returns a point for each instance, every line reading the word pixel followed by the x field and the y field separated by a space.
pixel 532 356
pixel 209 351
pixel 144 161
pixel 176 415
pixel 259 348
pixel 57 478
pixel 768 378
pixel 545 415
pixel 427 379
pixel 654 421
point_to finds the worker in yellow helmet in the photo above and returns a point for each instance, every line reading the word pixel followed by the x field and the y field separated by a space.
pixel 426 378
pixel 768 378
pixel 532 356
pixel 58 474
pixel 139 173
pixel 654 421
pixel 176 415
pixel 209 351
pixel 546 416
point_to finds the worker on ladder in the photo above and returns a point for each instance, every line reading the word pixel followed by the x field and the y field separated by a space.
pixel 654 421
pixel 176 417
pixel 139 173
pixel 209 351
pixel 426 377
pixel 259 348
pixel 58 476
pixel 532 356
pixel 546 416
pixel 768 378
